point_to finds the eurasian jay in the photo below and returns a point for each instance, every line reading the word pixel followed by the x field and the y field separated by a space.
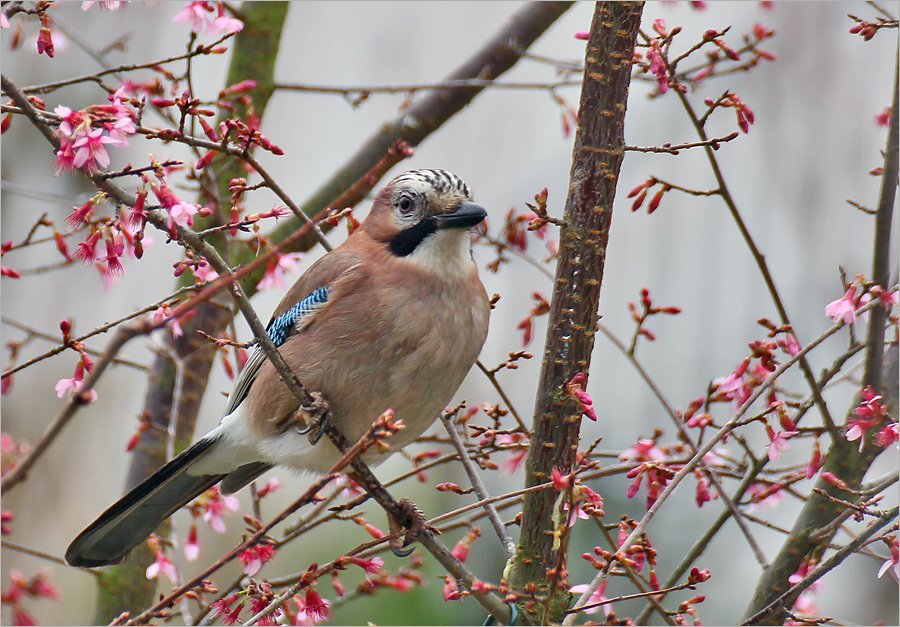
pixel 392 318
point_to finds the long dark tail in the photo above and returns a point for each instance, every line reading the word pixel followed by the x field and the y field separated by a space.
pixel 137 514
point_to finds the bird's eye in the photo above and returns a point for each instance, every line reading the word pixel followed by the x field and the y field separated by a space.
pixel 406 204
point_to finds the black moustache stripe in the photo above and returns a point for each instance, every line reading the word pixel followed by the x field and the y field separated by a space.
pixel 405 242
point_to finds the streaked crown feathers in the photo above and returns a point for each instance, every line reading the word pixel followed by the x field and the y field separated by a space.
pixel 442 182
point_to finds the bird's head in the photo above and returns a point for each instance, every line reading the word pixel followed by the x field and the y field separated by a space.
pixel 424 215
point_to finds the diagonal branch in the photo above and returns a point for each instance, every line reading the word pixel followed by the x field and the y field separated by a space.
pixel 843 459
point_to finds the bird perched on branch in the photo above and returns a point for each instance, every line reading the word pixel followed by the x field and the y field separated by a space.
pixel 392 318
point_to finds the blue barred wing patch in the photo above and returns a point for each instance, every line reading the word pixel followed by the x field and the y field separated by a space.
pixel 279 331
pixel 281 327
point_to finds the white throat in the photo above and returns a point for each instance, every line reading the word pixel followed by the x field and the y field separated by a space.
pixel 446 252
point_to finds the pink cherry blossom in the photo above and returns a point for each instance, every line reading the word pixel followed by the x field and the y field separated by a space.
pixel 805 605
pixel 72 123
pixel 75 384
pixel 315 607
pixel 44 41
pixel 858 428
pixel 888 436
pixel 82 214
pixel 104 6
pixel 192 544
pixel 164 312
pixel 114 249
pixel 763 496
pixel 734 387
pixel 180 212
pixel 806 567
pixel 373 565
pixel 216 505
pixel 195 13
pixel 815 462
pixel 204 272
pixel 644 450
pixel 517 456
pixel 451 590
pixel 274 483
pixel 778 442
pixel 868 414
pixel 597 596
pixel 65 158
pixel 789 344
pixel 574 514
pixel 164 566
pixel 843 308
pixel 894 560
pixel 277 269
pixel 90 151
pixel 225 24
pixel 254 557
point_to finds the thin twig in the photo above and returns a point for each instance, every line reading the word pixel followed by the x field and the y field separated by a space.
pixel 493 379
pixel 480 490
pixel 415 87
pixel 759 258
pixel 789 597
pixel 101 329
pixel 706 448
pixel 673 150
pixel 48 87
pixel 21 548
pixel 20 471
pixel 686 437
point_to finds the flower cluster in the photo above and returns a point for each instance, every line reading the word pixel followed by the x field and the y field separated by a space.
pixel 846 306
pixel 647 310
pixel 21 588
pixel 516 226
pixel 575 388
pixel 209 15
pixel 745 116
pixel 83 135
pixel 641 192
pixel 870 413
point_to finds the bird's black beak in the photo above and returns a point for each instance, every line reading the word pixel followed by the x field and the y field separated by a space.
pixel 467 215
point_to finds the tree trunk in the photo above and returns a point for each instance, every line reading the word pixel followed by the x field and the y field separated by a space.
pixel 539 571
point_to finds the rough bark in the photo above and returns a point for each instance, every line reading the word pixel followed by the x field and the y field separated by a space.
pixel 539 570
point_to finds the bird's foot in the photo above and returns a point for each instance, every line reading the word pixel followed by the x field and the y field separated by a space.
pixel 311 420
pixel 318 419
pixel 418 526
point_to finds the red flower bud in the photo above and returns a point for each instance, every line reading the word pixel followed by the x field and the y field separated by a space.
pixel 206 159
pixel 654 202
pixel 640 201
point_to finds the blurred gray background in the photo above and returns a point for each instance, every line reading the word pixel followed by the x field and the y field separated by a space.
pixel 811 148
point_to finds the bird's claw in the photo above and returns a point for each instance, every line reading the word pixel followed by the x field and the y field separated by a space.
pixel 418 526
pixel 313 419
